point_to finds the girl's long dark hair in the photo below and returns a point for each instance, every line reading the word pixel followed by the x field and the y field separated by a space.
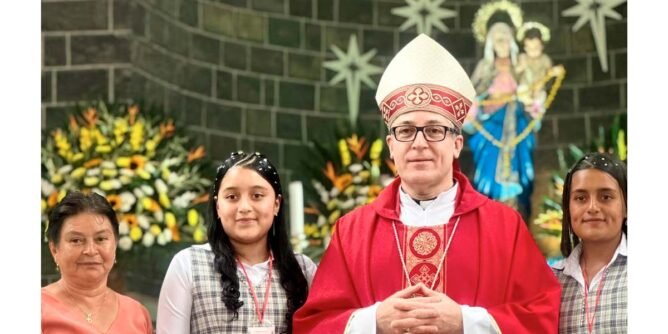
pixel 292 278
pixel 603 162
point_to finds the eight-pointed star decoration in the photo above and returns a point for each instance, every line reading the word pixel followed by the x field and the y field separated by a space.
pixel 354 68
pixel 424 14
pixel 595 11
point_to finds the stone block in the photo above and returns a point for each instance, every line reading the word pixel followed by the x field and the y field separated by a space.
pixel 220 146
pixel 325 10
pixel 138 18
pixel 324 129
pixel 572 130
pixel 54 51
pixel 603 97
pixel 74 15
pixel 272 6
pixel 296 95
pixel 460 45
pixel 385 16
pixel 338 36
pixel 189 13
pixel 355 11
pixel 251 27
pixel 248 89
pixel 597 72
pixel 269 91
pixel 303 8
pixel 333 99
pixel 236 3
pixel 270 149
pixel 57 117
pixel 304 66
pixel 576 69
pixel 621 64
pixel 288 126
pixel 77 85
pixel 267 61
pixel 121 14
pixel 564 102
pixel 616 35
pixel 223 117
pixel 205 49
pixel 197 79
pixel 99 49
pixel 46 86
pixel 381 40
pixel 258 122
pixel 225 85
pixel 312 37
pixel 126 84
pixel 284 32
pixel 540 11
pixel 219 20
pixel 547 135
pixel 235 55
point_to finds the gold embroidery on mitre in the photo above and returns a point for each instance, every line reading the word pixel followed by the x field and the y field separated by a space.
pixel 418 96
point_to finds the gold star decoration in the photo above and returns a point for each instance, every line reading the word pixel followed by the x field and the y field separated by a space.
pixel 354 68
pixel 595 12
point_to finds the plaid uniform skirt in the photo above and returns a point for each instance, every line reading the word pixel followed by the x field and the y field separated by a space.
pixel 209 314
pixel 611 315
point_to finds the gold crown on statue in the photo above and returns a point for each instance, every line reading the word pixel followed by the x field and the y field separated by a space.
pixel 544 31
pixel 486 11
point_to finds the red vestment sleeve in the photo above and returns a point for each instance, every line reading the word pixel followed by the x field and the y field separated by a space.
pixel 532 291
pixel 332 299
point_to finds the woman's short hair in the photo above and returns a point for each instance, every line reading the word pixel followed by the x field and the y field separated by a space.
pixel 600 161
pixel 74 203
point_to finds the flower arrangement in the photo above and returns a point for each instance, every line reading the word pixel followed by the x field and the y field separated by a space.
pixel 138 163
pixel 353 177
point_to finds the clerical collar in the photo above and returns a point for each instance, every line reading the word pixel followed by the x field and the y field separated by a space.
pixel 446 198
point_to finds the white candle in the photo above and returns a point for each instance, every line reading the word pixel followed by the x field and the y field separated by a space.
pixel 296 208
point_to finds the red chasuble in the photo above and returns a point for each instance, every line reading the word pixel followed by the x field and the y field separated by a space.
pixel 493 262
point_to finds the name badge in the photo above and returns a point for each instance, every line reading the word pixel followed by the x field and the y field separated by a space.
pixel 261 330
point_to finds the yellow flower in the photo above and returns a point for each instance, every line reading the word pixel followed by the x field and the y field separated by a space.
pixel 136 233
pixel 103 149
pixel 150 204
pixel 170 219
pixel 85 139
pixel 343 151
pixel 123 162
pixel 106 185
pixel 376 149
pixel 137 136
pixel 56 178
pixel 199 235
pixel 91 181
pixel 144 174
pixel 164 200
pixel 43 205
pixel 193 217
pixel 77 157
pixel 78 173
pixel 334 216
pixel 108 172
pixel 155 230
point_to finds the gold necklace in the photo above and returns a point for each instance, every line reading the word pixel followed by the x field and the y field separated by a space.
pixel 87 315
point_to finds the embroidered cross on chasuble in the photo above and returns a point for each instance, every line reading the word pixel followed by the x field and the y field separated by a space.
pixel 423 249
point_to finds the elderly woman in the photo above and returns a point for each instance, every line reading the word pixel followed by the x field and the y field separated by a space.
pixel 83 233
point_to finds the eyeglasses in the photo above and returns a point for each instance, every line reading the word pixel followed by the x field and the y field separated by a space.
pixel 407 133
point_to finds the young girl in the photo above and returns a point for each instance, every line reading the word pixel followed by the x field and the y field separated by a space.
pixel 593 276
pixel 247 278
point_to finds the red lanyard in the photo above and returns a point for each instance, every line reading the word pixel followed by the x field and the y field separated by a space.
pixel 260 313
pixel 591 320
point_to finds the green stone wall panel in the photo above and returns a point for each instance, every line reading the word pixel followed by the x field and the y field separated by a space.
pixel 265 60
pixel 284 32
pixel 304 66
pixel 296 95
